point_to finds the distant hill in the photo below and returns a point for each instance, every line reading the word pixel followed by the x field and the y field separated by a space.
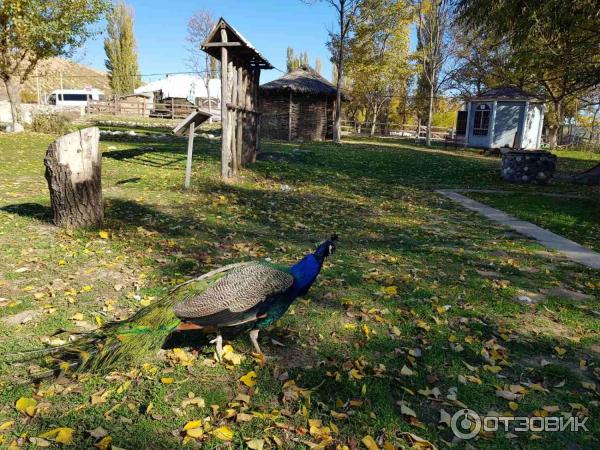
pixel 74 76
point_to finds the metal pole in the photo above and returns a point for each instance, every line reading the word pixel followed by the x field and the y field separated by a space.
pixel 190 152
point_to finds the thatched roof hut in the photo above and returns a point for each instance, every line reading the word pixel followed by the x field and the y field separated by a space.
pixel 299 106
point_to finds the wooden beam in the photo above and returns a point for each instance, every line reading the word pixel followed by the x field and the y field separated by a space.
pixel 226 171
pixel 240 117
pixel 190 152
pixel 223 44
pixel 241 108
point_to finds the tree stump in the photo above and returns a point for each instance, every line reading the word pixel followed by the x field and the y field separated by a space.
pixel 73 171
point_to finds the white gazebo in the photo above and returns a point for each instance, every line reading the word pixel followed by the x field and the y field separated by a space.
pixel 505 117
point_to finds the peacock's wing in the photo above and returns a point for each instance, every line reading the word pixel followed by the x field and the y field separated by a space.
pixel 236 297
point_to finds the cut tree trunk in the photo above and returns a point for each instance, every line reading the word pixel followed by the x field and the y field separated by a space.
pixel 73 171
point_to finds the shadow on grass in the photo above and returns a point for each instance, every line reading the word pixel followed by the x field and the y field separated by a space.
pixel 161 154
pixel 32 210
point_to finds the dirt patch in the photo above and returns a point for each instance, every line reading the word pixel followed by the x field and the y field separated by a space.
pixel 539 324
pixel 22 317
pixel 567 294
pixel 293 357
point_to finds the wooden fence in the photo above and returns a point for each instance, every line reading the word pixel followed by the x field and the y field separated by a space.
pixel 169 109
pixel 413 131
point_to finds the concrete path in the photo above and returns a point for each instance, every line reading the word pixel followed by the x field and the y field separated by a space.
pixel 500 191
pixel 571 250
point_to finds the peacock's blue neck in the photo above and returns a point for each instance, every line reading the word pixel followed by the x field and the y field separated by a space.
pixel 305 273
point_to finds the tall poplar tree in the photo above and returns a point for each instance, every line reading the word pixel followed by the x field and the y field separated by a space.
pixel 121 50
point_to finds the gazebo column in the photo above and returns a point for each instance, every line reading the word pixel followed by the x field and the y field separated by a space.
pixel 523 124
pixel 538 141
pixel 492 126
pixel 467 128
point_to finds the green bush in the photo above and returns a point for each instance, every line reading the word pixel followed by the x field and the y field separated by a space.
pixel 51 123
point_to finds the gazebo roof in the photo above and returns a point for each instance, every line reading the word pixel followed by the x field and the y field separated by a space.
pixel 237 45
pixel 507 93
pixel 302 81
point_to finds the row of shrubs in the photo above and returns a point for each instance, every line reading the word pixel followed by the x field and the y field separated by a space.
pixel 51 123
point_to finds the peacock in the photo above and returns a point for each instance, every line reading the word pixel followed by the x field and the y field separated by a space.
pixel 247 296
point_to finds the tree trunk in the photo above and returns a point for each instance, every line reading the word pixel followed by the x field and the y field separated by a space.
pixel 429 116
pixel 73 171
pixel 555 131
pixel 374 122
pixel 13 90
pixel 337 118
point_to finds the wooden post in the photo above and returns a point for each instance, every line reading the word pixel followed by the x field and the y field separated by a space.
pixel 190 153
pixel 172 108
pixel 240 117
pixel 225 149
pixel 235 116
pixel 73 171
pixel 256 117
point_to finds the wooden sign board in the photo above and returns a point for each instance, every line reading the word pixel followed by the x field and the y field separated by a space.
pixel 195 117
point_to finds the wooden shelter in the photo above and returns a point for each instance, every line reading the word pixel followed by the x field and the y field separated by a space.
pixel 299 106
pixel 240 77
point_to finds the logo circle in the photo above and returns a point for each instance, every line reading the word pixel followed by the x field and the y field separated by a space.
pixel 466 424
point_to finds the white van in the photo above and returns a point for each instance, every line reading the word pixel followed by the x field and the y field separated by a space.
pixel 74 97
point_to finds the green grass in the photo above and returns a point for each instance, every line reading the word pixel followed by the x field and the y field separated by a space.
pixel 404 253
pixel 575 218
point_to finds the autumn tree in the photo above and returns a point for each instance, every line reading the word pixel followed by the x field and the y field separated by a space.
pixel 555 42
pixel 121 50
pixel 199 26
pixel 433 26
pixel 378 66
pixel 346 11
pixel 32 30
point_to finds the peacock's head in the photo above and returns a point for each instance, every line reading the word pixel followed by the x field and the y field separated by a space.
pixel 327 248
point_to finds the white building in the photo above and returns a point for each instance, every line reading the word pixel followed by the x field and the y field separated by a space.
pixel 503 117
pixel 183 86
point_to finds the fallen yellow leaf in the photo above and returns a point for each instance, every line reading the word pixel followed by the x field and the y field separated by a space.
pixel 6 425
pixel 192 424
pixel 103 234
pixel 62 435
pixel 249 378
pixel 26 405
pixel 195 432
pixel 370 443
pixel 256 444
pixel 223 433
pixel 167 380
pixel 104 444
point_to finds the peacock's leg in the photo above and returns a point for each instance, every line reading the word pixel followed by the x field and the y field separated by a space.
pixel 254 339
pixel 218 341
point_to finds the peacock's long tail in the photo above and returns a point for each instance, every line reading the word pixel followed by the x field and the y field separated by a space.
pixel 121 344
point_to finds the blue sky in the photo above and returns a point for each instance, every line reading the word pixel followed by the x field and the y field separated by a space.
pixel 270 25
